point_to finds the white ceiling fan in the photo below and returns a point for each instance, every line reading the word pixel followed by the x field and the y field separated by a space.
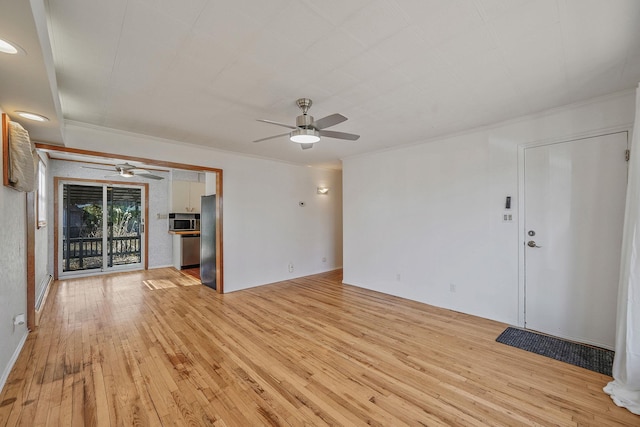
pixel 308 131
pixel 127 170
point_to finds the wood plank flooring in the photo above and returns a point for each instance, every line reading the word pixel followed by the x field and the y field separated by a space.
pixel 112 351
pixel 193 272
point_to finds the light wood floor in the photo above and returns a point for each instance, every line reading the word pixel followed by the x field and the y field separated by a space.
pixel 113 351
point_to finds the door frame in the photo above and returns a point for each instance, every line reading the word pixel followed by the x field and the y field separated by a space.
pixel 521 204
pixel 57 180
pixel 173 165
pixel 31 214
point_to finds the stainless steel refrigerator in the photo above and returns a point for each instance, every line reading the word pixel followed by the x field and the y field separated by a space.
pixel 208 241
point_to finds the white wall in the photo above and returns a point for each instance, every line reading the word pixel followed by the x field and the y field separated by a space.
pixel 13 271
pixel 418 220
pixel 209 184
pixel 159 238
pixel 264 229
pixel 185 175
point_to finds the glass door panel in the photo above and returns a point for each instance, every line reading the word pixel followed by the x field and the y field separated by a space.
pixel 82 227
pixel 124 226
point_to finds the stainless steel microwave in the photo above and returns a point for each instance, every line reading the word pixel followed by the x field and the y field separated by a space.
pixel 184 222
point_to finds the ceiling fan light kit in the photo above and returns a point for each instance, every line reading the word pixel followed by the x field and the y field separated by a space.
pixel 308 131
pixel 304 136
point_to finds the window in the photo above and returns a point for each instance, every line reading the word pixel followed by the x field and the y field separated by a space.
pixel 42 194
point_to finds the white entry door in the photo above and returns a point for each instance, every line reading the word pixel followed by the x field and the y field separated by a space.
pixel 574 195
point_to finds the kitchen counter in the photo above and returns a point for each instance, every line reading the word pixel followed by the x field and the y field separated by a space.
pixel 180 233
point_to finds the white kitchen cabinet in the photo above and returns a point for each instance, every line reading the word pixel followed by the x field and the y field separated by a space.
pixel 180 196
pixel 196 191
pixel 185 196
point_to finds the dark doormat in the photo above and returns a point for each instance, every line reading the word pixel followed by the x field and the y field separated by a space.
pixel 592 358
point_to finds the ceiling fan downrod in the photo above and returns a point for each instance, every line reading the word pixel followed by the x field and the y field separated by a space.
pixel 304 120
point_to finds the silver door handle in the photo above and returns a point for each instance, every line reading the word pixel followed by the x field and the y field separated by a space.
pixel 532 244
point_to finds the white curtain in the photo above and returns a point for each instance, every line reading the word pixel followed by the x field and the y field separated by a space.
pixel 625 387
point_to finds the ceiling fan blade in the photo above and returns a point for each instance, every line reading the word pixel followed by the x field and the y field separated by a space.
pixel 328 121
pixel 339 135
pixel 125 166
pixel 144 173
pixel 100 169
pixel 306 146
pixel 149 175
pixel 277 123
pixel 271 137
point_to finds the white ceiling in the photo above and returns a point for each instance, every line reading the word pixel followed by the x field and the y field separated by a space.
pixel 402 71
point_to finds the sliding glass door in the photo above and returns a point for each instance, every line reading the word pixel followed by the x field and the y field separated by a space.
pixel 102 228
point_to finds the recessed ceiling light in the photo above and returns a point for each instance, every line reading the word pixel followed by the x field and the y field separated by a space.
pixel 6 47
pixel 32 116
pixel 10 48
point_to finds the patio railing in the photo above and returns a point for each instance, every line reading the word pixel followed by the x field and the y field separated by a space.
pixel 81 253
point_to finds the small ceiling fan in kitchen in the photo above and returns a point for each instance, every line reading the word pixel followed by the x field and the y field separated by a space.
pixel 307 130
pixel 127 170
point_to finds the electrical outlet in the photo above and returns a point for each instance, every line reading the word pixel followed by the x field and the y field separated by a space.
pixel 290 267
pixel 452 287
pixel 398 277
pixel 18 319
pixel 324 259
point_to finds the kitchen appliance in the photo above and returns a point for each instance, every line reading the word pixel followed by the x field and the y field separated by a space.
pixel 190 250
pixel 184 222
pixel 208 241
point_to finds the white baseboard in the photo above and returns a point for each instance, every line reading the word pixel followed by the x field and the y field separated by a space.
pixel 43 300
pixel 45 290
pixel 160 266
pixel 12 361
